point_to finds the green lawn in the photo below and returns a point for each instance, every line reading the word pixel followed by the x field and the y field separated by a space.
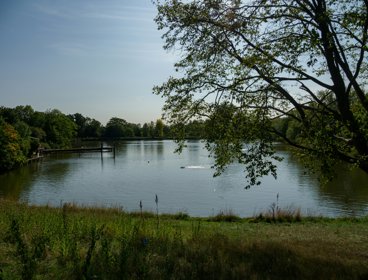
pixel 92 243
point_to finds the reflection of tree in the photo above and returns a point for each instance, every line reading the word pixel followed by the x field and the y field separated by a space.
pixel 295 165
pixel 160 148
pixel 153 149
pixel 347 190
pixel 56 170
pixel 193 148
pixel 136 147
pixel 121 147
pixel 18 182
pixel 15 182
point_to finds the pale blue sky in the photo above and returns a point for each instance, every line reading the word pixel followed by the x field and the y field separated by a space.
pixel 99 58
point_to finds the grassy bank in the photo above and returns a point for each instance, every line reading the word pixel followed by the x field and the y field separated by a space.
pixel 76 243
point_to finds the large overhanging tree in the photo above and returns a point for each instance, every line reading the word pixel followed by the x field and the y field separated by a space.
pixel 246 66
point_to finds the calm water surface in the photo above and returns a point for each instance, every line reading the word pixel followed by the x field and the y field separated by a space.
pixel 142 169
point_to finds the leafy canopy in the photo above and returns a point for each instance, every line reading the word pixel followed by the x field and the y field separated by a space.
pixel 246 67
pixel 11 151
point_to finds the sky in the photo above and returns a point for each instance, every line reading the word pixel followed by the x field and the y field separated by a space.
pixel 100 58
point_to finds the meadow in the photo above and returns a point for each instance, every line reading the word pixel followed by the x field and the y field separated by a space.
pixel 70 242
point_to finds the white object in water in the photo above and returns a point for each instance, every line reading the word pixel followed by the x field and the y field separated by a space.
pixel 194 167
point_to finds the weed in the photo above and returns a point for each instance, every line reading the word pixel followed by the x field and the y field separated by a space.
pixel 225 216
pixel 28 255
pixel 105 253
pixel 64 217
pixel 177 216
pixel 95 235
pixel 141 208
pixel 278 214
pixel 142 215
pixel 22 252
pixel 158 219
pixel 196 227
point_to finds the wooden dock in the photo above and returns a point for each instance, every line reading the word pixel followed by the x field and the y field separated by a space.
pixel 35 158
pixel 78 150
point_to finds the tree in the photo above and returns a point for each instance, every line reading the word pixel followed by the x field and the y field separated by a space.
pixel 195 129
pixel 60 129
pixel 24 113
pixel 10 147
pixel 86 127
pixel 148 130
pixel 93 128
pixel 145 130
pixel 116 127
pixel 24 132
pixel 267 60
pixel 137 129
pixel 159 128
pixel 80 122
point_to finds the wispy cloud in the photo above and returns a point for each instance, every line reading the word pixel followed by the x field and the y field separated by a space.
pixel 120 17
pixel 104 29
pixel 95 11
pixel 51 10
pixel 139 52
pixel 99 20
pixel 72 49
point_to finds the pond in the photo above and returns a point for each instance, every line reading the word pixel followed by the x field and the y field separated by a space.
pixel 142 169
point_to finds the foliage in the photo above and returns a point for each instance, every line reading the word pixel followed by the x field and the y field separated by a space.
pixel 147 130
pixel 23 131
pixel 117 127
pixel 11 154
pixel 120 128
pixel 261 70
pixel 59 129
pixel 159 128
pixel 86 127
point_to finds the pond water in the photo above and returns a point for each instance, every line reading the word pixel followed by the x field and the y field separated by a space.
pixel 142 169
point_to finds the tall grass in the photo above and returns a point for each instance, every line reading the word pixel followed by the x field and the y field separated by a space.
pixel 74 243
pixel 277 214
pixel 225 216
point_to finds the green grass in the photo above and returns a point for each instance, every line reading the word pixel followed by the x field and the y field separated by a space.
pixel 93 243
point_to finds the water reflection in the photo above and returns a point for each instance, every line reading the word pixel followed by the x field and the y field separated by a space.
pixel 55 169
pixel 153 149
pixel 194 151
pixel 347 191
pixel 141 169
pixel 14 183
pixel 120 148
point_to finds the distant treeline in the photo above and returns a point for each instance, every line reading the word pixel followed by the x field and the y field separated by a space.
pixel 23 131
